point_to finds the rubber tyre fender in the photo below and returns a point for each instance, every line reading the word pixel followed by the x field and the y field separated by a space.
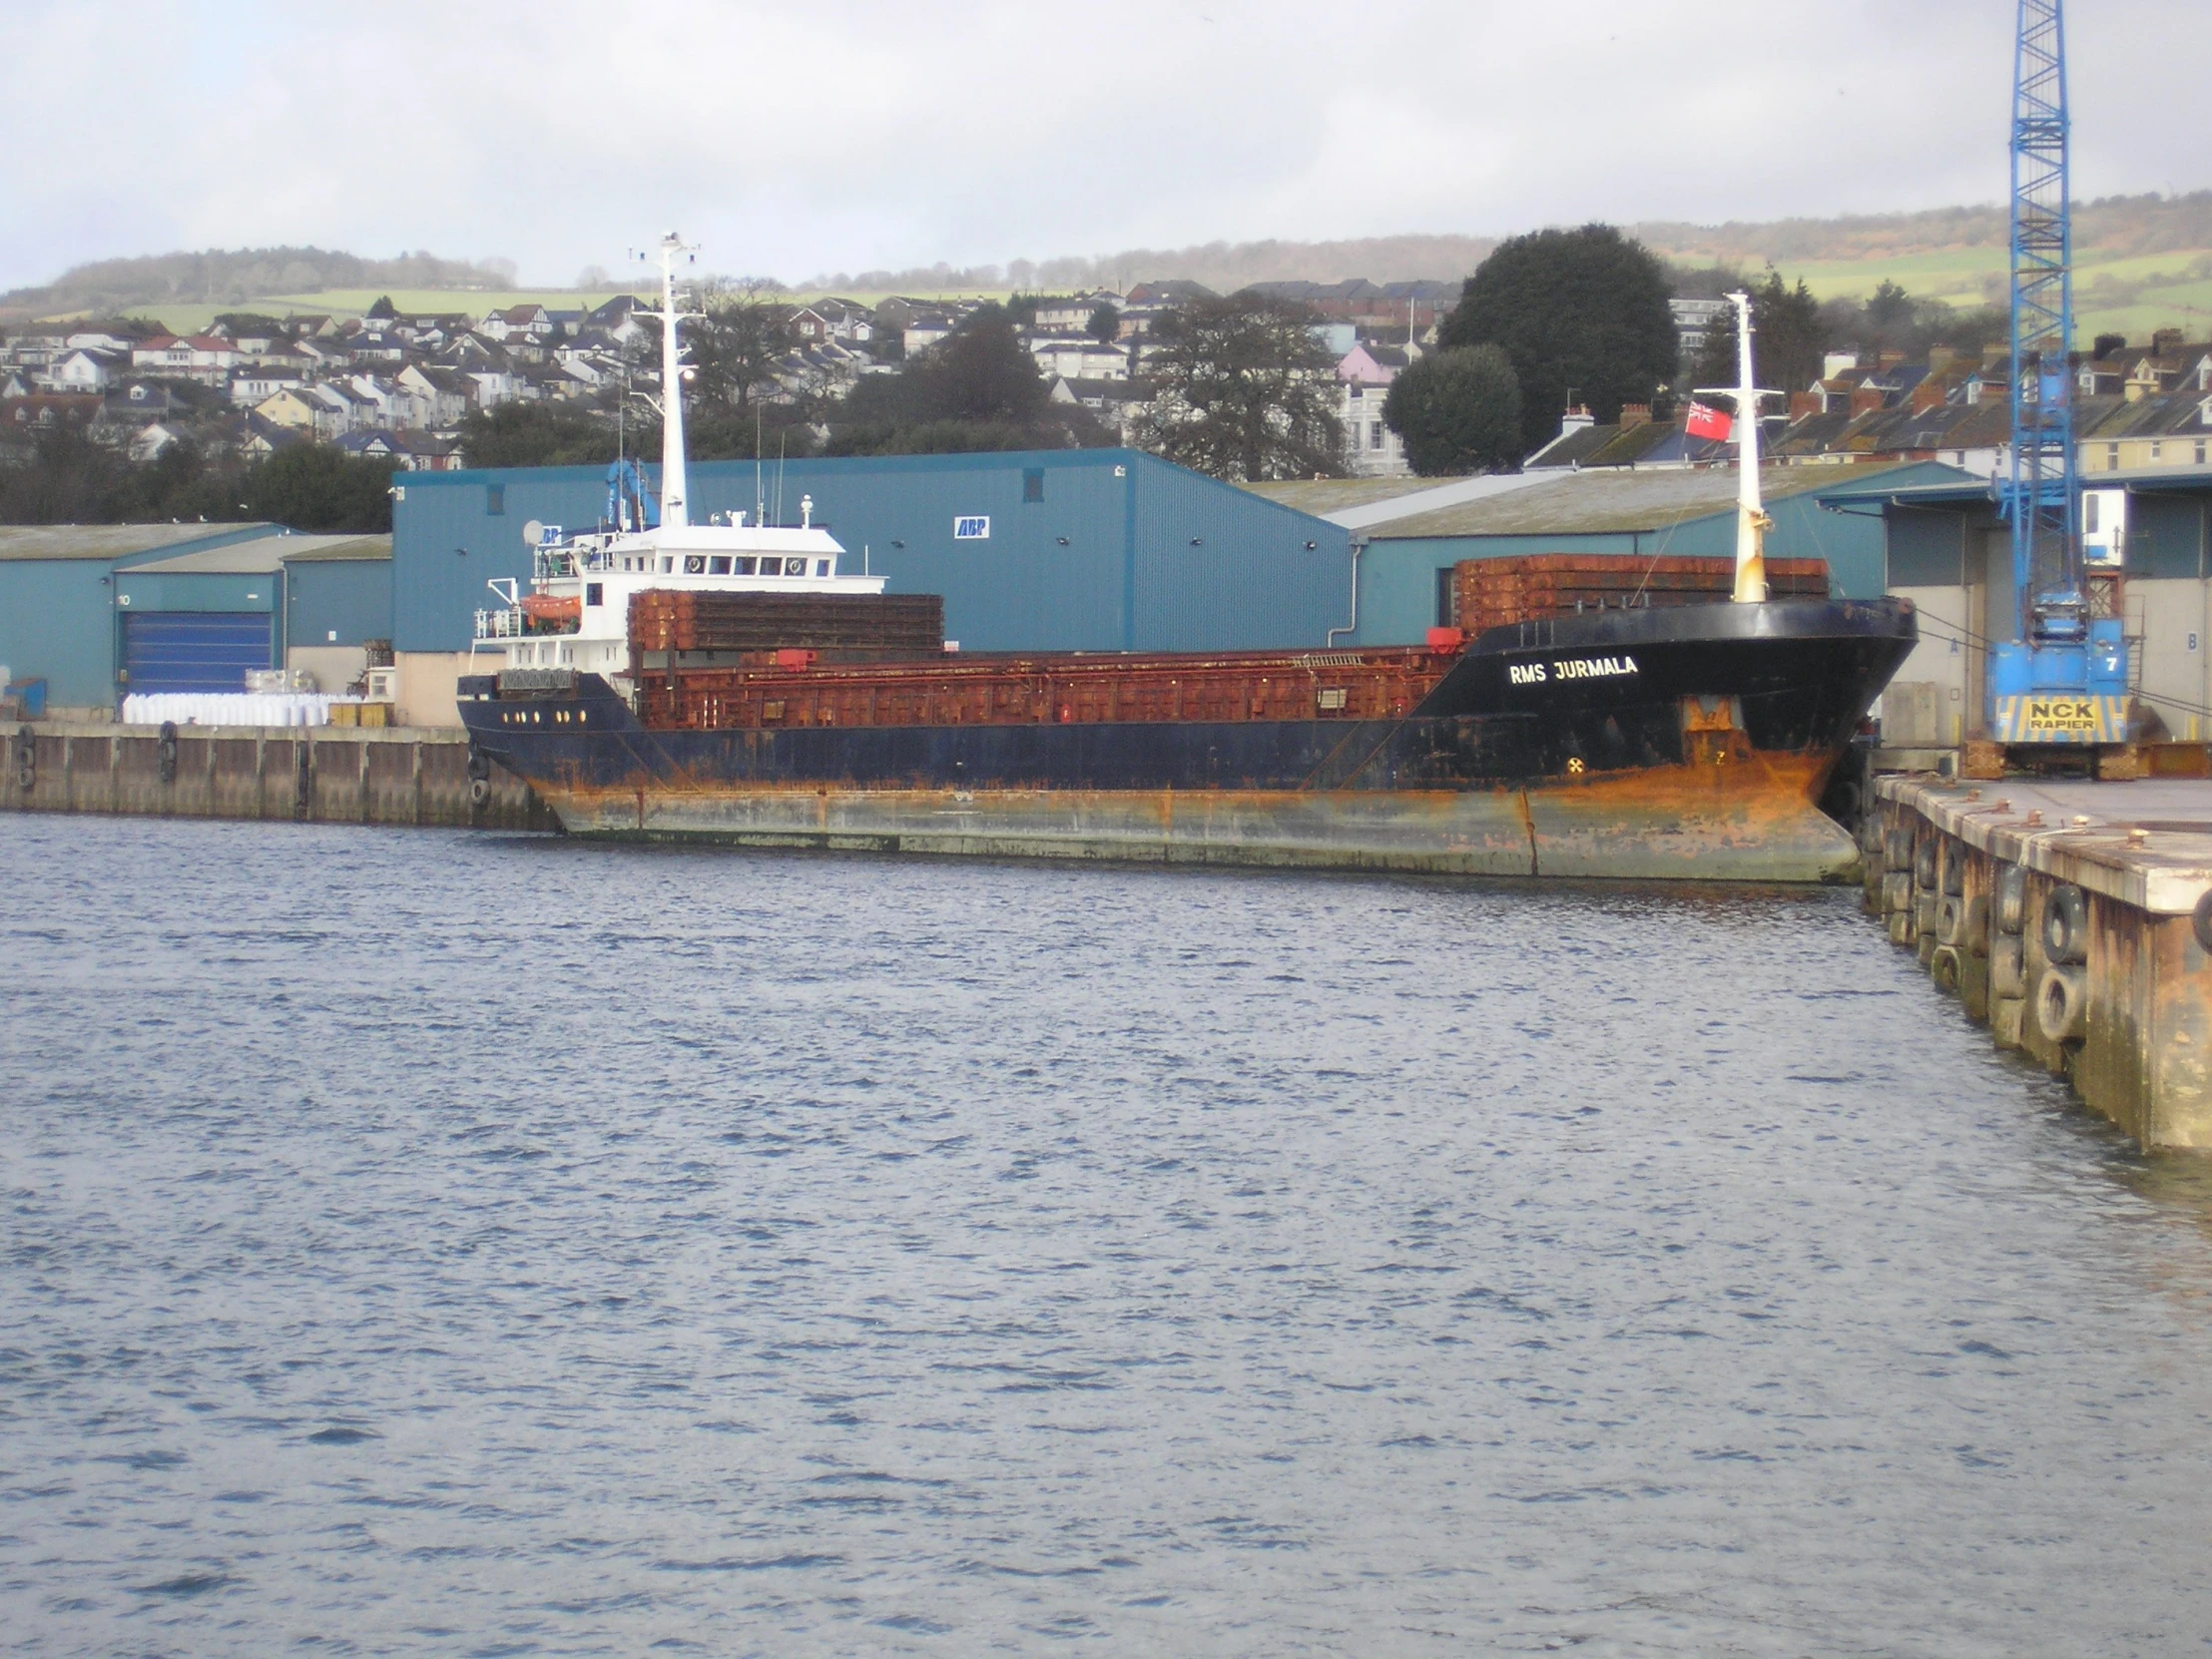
pixel 1897 893
pixel 2062 1004
pixel 1942 967
pixel 1925 869
pixel 2008 965
pixel 2200 923
pixel 1951 921
pixel 1953 856
pixel 479 764
pixel 2067 925
pixel 2012 899
pixel 1897 848
pixel 479 791
pixel 1977 940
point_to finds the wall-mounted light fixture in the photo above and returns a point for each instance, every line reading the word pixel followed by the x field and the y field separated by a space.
pixel 1063 541
pixel 1198 541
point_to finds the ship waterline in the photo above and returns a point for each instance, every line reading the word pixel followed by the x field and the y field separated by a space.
pixel 1754 821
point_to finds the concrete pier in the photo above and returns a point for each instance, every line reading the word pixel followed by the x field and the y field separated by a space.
pixel 315 774
pixel 2076 920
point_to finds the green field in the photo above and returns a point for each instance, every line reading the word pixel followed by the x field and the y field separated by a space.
pixel 2131 294
pixel 2114 293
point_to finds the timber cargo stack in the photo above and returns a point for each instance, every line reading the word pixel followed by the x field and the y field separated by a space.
pixel 1490 593
pixel 855 627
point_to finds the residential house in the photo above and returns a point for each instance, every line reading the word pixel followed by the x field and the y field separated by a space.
pixel 256 382
pixel 47 412
pixel 85 368
pixel 290 408
pixel 1072 315
pixel 1363 376
pixel 1079 358
pixel 204 358
pixel 441 395
pixel 1117 404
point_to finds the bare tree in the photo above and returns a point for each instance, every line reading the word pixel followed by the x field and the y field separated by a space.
pixel 1244 390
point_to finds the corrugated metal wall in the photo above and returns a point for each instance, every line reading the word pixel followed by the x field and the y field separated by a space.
pixel 347 598
pixel 1218 568
pixel 1088 549
pixel 56 623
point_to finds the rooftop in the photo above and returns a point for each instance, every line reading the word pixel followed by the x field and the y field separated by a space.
pixel 108 541
pixel 1618 500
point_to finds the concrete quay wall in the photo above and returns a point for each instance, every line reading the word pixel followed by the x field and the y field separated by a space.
pixel 2074 919
pixel 313 774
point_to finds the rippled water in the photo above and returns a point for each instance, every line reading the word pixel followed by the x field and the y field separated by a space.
pixel 425 1243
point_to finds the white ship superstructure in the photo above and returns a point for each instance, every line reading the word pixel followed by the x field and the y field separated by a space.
pixel 577 612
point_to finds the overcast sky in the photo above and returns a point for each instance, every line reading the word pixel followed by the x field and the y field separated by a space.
pixel 829 134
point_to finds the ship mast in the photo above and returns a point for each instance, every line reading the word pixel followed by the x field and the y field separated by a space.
pixel 675 487
pixel 1752 522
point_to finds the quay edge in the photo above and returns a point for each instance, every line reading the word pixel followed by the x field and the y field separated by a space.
pixel 2074 919
pixel 415 776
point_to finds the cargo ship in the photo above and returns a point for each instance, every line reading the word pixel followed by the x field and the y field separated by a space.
pixel 724 684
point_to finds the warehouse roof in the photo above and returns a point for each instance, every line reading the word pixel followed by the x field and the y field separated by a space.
pixel 1327 495
pixel 112 541
pixel 1405 497
pixel 1616 502
pixel 268 553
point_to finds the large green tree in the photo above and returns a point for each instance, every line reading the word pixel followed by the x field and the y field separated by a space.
pixel 1790 340
pixel 1457 410
pixel 538 434
pixel 1244 390
pixel 977 388
pixel 1580 311
pixel 317 486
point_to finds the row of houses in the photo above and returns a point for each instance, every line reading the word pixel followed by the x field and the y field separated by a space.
pixel 2135 408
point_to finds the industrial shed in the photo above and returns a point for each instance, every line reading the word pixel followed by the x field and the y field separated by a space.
pixel 98 610
pixel 1947 549
pixel 1413 531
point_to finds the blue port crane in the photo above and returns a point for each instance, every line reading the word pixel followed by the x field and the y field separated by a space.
pixel 2063 677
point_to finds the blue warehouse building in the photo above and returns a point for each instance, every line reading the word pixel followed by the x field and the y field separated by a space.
pixel 98 610
pixel 1066 549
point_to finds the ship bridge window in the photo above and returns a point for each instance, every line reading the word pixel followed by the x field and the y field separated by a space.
pixel 822 567
pixel 595 592
pixel 794 567
pixel 746 566
pixel 719 565
pixel 695 564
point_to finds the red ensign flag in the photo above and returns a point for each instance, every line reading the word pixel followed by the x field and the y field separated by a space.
pixel 1708 423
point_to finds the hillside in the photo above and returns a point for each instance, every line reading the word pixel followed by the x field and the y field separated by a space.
pixel 224 278
pixel 2142 261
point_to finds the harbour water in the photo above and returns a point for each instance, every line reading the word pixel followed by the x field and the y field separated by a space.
pixel 425 1243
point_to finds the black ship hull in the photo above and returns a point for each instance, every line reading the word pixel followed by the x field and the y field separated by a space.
pixel 1691 742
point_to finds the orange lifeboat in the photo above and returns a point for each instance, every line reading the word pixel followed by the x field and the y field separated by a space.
pixel 548 613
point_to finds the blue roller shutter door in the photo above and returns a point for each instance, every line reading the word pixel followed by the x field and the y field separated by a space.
pixel 193 651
